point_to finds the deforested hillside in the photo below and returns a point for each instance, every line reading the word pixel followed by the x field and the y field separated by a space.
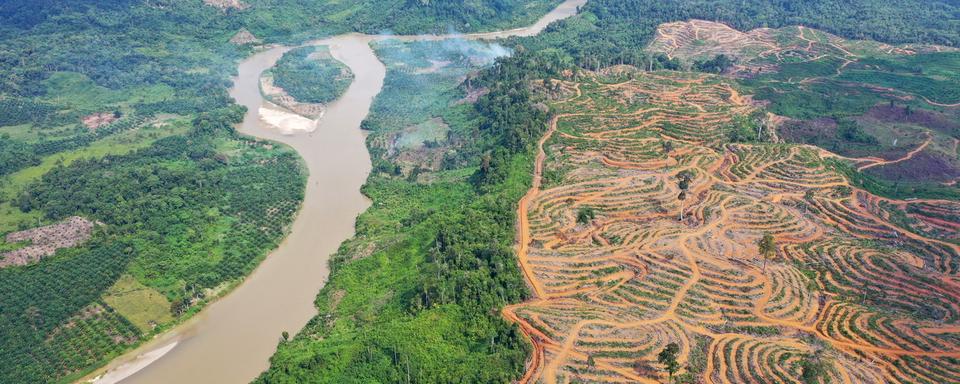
pixel 761 261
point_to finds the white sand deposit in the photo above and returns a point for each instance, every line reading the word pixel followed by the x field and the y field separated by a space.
pixel 126 370
pixel 288 123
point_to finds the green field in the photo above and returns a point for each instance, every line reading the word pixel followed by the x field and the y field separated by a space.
pixel 138 303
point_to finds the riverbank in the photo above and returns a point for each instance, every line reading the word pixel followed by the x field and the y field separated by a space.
pixel 232 340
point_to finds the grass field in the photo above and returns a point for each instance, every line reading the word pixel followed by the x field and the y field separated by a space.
pixel 141 305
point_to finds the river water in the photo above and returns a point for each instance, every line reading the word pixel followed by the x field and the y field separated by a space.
pixel 231 340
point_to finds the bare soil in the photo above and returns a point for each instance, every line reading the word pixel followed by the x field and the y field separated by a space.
pixel 226 4
pixel 46 240
pixel 98 120
pixel 611 292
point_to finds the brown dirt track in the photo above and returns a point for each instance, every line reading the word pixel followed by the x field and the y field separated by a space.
pixel 876 302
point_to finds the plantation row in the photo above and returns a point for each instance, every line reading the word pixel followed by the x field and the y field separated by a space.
pixel 181 217
pixel 648 235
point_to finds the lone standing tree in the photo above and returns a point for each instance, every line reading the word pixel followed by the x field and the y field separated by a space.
pixel 768 248
pixel 684 185
pixel 668 357
pixel 667 147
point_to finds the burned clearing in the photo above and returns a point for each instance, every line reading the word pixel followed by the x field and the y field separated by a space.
pixel 46 240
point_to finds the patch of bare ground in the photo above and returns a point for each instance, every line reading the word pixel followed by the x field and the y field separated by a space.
pixel 620 265
pixel 98 120
pixel 226 4
pixel 419 148
pixel 761 50
pixel 243 37
pixel 699 39
pixel 473 94
pixel 364 251
pixel 619 70
pixel 45 241
pixel 553 89
pixel 335 299
pixel 421 159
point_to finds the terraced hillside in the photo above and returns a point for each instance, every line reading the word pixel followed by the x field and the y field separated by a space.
pixel 642 229
pixel 894 107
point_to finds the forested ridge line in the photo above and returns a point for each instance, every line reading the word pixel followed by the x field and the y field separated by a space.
pixel 609 32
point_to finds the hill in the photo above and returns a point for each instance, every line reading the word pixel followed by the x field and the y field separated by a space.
pixel 621 266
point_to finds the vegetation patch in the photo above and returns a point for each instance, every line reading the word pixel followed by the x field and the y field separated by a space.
pixel 311 75
pixel 144 307
pixel 437 240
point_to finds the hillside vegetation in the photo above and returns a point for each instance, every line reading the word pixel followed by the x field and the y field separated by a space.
pixel 177 220
pixel 311 75
pixel 117 111
pixel 414 296
pixel 837 158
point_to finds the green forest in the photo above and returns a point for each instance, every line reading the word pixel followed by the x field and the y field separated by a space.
pixel 185 206
pixel 311 75
pixel 182 216
pixel 442 264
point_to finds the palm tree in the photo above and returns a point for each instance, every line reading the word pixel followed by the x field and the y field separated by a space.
pixel 768 248
pixel 668 357
pixel 667 147
pixel 684 185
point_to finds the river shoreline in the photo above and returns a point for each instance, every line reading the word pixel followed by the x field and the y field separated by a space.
pixel 232 339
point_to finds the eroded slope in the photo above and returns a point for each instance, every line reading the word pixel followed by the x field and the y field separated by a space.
pixel 617 276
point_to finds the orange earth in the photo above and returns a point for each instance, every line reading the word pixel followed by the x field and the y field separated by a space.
pixel 848 289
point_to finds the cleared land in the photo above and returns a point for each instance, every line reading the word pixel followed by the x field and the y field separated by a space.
pixel 46 240
pixel 617 276
pixel 891 108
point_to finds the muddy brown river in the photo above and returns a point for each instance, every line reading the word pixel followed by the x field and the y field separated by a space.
pixel 232 339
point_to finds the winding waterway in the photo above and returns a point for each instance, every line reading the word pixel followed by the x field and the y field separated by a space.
pixel 232 340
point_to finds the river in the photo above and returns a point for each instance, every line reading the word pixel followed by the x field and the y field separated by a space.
pixel 232 339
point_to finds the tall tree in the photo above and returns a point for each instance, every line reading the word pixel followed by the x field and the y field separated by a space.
pixel 684 185
pixel 767 245
pixel 668 357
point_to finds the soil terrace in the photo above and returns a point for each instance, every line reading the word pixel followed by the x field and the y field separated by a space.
pixel 763 48
pixel 850 288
